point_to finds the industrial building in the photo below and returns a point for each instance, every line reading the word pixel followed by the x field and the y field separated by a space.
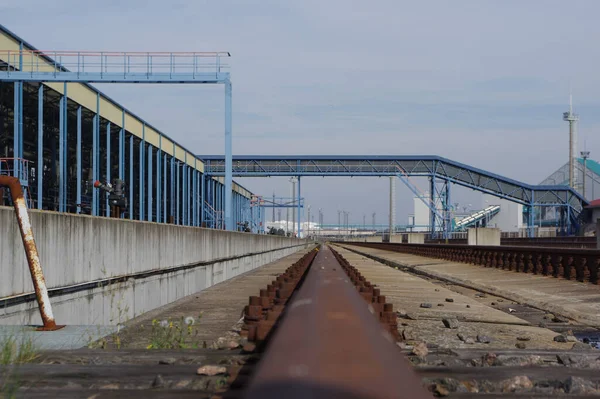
pixel 61 137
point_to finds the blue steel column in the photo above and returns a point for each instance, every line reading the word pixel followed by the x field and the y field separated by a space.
pixel 432 199
pixel 95 155
pixel 164 178
pixel 142 174
pixel 228 156
pixel 40 149
pixel 149 183
pixel 122 147
pixel 184 199
pixel 202 198
pixel 172 188
pixel 158 177
pixel 20 105
pixel 16 138
pixel 177 193
pixel 195 194
pixel 62 150
pixel 78 159
pixel 188 196
pixel 448 209
pixel 299 220
pixel 130 207
pixel 107 165
pixel 531 220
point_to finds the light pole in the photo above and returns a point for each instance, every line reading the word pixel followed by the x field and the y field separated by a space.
pixel 585 155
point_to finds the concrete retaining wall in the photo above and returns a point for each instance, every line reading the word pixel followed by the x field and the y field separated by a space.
pixel 416 238
pixel 82 249
pixel 483 236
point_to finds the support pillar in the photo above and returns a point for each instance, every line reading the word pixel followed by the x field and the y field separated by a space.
pixel 142 172
pixel 108 177
pixel 78 159
pixel 62 150
pixel 392 219
pixel 158 178
pixel 432 225
pixel 299 220
pixel 202 198
pixel 40 148
pixel 149 183
pixel 531 221
pixel 228 157
pixel 95 154
pixel 177 192
pixel 130 205
pixel 165 192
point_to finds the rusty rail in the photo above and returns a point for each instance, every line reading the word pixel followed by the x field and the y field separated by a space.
pixel 328 344
pixel 37 276
pixel 555 242
pixel 579 264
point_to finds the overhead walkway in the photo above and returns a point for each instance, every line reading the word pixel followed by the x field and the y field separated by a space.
pixel 437 168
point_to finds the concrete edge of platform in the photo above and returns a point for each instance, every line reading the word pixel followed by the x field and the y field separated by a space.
pixel 545 306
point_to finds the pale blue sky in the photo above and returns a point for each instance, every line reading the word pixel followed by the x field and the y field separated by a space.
pixel 483 82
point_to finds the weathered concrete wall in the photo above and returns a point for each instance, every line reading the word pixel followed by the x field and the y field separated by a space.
pixel 77 250
pixel 396 238
pixel 416 238
pixel 483 236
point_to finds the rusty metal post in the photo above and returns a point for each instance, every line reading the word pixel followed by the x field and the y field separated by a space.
pixel 33 259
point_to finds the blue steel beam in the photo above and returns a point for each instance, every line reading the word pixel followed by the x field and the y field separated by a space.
pixel 158 180
pixel 108 165
pixel 177 189
pixel 165 192
pixel 78 159
pixel 40 148
pixel 62 133
pixel 130 206
pixel 369 165
pixel 228 157
pixel 142 165
pixel 95 154
pixel 149 216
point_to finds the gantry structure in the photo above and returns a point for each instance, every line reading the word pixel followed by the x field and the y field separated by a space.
pixel 441 172
pixel 60 135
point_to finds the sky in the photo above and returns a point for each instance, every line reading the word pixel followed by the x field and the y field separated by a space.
pixel 482 82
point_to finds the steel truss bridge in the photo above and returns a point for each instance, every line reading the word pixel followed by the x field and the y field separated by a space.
pixel 441 172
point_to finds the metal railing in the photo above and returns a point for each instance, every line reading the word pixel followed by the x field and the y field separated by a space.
pixel 15 167
pixel 114 63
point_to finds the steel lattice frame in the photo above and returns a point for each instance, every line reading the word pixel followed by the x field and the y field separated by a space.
pixel 34 66
pixel 437 168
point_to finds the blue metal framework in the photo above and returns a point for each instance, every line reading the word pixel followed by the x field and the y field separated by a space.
pixel 34 66
pixel 438 169
pixel 159 183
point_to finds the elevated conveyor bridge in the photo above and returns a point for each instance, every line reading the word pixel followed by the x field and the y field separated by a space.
pixel 439 170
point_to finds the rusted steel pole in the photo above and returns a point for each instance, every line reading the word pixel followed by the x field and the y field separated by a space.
pixel 33 259
pixel 329 345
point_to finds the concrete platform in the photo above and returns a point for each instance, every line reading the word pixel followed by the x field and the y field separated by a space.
pixel 221 306
pixel 568 298
pixel 407 292
pixel 69 337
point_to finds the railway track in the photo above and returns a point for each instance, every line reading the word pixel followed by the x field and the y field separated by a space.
pixel 326 328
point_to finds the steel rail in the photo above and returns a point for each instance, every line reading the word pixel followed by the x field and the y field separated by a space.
pixel 329 344
pixel 568 263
